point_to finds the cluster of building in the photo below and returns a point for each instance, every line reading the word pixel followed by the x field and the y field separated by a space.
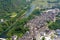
pixel 39 29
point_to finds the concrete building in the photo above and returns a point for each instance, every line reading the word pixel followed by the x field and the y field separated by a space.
pixel 58 32
pixel 14 37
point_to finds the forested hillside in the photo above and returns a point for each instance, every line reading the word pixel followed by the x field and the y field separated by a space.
pixel 10 14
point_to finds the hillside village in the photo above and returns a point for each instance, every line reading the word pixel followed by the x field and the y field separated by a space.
pixel 39 28
pixel 29 19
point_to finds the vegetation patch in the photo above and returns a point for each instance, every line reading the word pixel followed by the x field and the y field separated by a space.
pixel 55 25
